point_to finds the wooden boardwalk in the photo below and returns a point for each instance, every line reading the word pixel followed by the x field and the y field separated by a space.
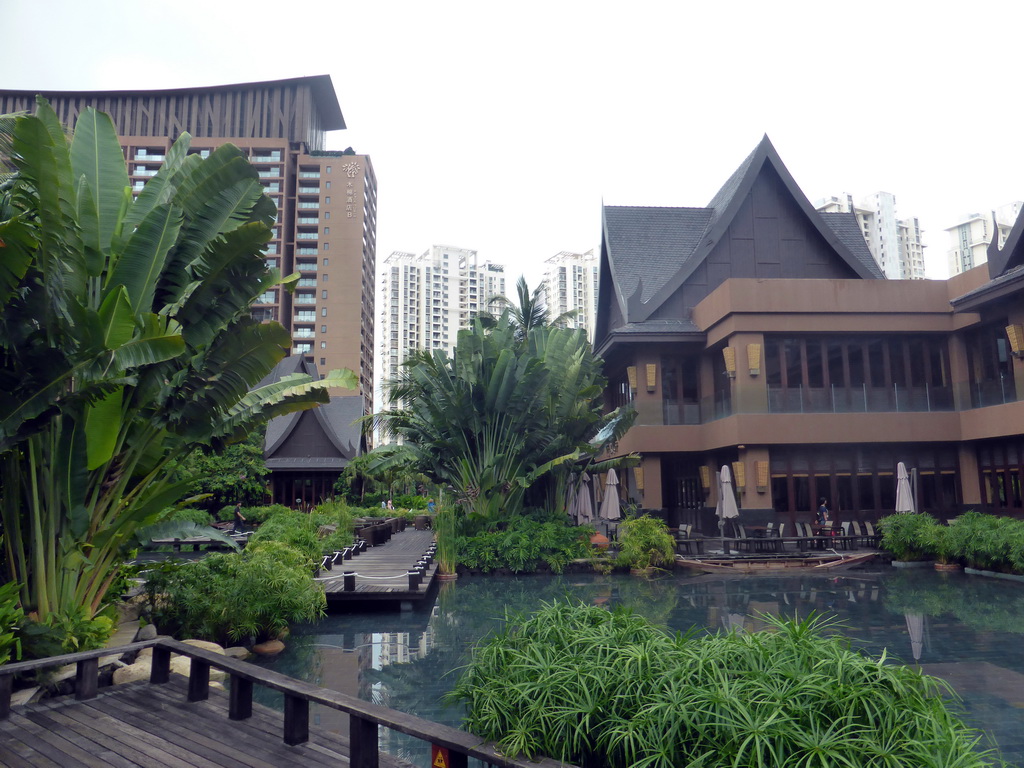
pixel 174 722
pixel 157 726
pixel 382 572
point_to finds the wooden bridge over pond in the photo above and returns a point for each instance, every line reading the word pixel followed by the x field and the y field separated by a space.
pixel 381 574
pixel 178 722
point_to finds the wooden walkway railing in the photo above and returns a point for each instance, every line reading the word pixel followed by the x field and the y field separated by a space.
pixel 364 718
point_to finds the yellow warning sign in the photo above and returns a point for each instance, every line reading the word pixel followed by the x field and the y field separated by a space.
pixel 440 757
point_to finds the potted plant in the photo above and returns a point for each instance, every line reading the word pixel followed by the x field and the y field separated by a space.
pixel 940 542
pixel 645 544
pixel 902 538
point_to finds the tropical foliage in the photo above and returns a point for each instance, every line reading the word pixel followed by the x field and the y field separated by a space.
pixel 228 597
pixel 327 528
pixel 235 474
pixel 901 535
pixel 592 687
pixel 125 341
pixel 645 542
pixel 977 540
pixel 523 545
pixel 508 420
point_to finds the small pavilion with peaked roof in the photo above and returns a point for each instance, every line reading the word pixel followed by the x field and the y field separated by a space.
pixel 306 451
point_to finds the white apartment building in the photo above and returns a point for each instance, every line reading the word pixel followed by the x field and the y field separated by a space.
pixel 426 300
pixel 895 243
pixel 970 237
pixel 570 283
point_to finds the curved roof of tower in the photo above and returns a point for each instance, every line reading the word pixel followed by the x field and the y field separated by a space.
pixel 321 87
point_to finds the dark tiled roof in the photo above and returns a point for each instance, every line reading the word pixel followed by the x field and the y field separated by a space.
pixel 848 231
pixel 338 419
pixel 648 245
pixel 652 251
pixel 1005 281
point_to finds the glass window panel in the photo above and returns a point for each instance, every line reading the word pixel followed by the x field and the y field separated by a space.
pixel 876 363
pixel 772 364
pixel 815 373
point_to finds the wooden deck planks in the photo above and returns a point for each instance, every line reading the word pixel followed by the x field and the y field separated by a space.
pixel 156 726
pixel 392 559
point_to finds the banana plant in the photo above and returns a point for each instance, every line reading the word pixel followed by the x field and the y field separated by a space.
pixel 126 341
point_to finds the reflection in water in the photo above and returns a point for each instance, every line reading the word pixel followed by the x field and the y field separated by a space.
pixel 961 628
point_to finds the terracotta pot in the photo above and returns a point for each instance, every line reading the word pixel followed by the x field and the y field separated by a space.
pixel 599 540
pixel 447 576
pixel 947 567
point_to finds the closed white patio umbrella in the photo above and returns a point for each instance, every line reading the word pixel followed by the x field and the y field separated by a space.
pixel 726 507
pixel 904 496
pixel 610 509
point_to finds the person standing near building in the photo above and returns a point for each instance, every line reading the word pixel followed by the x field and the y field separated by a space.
pixel 823 513
pixel 239 526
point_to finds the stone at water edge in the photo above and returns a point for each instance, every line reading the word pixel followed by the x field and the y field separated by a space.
pixel 269 648
pixel 238 652
pixel 146 632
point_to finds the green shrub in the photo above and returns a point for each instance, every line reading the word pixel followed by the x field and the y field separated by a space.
pixel 902 535
pixel 589 686
pixel 337 514
pixel 11 619
pixel 409 501
pixel 645 542
pixel 67 632
pixel 231 597
pixel 522 546
pixel 296 529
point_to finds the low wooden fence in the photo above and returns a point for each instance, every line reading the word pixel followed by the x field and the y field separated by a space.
pixel 364 718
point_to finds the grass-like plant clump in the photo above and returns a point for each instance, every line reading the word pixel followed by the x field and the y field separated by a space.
pixel 975 539
pixel 231 597
pixel 644 542
pixel 606 688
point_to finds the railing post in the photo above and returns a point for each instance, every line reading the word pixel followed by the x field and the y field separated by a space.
pixel 350 581
pixel 6 687
pixel 87 679
pixel 240 701
pixel 414 580
pixel 296 720
pixel 160 671
pixel 363 743
pixel 199 681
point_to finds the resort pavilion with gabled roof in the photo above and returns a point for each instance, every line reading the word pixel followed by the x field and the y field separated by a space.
pixel 760 333
pixel 306 451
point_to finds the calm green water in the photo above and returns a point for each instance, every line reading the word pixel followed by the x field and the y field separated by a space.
pixel 965 629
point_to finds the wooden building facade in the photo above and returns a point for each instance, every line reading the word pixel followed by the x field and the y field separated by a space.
pixel 760 333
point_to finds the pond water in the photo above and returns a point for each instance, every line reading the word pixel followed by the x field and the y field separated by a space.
pixel 967 630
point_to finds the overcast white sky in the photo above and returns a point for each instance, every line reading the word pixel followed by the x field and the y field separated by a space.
pixel 502 127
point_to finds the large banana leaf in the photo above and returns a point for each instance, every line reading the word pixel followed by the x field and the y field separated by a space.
pixel 96 157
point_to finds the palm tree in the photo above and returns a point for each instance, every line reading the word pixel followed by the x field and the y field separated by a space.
pixel 126 339
pixel 529 313
pixel 504 421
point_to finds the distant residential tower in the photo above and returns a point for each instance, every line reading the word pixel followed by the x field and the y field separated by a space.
pixel 570 284
pixel 895 243
pixel 970 237
pixel 427 299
